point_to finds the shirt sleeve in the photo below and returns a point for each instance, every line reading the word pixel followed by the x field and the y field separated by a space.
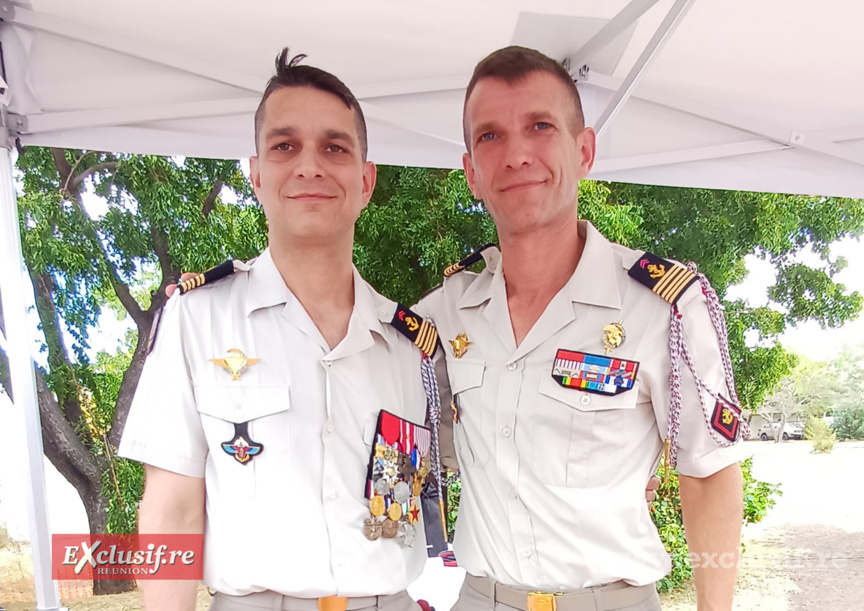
pixel 163 428
pixel 700 453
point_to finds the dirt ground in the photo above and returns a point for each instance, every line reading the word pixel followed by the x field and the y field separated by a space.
pixel 807 554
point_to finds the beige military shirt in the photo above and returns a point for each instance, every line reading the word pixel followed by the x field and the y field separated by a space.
pixel 553 478
pixel 291 518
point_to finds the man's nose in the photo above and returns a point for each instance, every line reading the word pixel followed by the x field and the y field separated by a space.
pixel 308 164
pixel 518 153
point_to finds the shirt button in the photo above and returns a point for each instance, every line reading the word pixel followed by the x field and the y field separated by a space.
pixel 527 553
pixel 328 363
pixel 506 431
pixel 585 400
pixel 511 367
pixel 332 496
pixel 329 427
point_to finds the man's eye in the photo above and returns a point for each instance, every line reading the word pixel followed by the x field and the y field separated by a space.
pixel 486 137
pixel 335 148
pixel 282 146
pixel 542 125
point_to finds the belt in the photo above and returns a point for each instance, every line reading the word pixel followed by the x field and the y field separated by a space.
pixel 279 602
pixel 618 595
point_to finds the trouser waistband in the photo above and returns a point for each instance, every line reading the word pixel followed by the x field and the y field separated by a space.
pixel 280 602
pixel 618 595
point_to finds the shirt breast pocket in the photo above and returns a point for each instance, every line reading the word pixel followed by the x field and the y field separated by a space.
pixel 265 411
pixel 580 438
pixel 466 382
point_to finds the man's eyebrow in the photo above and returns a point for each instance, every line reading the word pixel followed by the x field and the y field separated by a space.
pixel 335 134
pixel 280 131
pixel 539 115
pixel 482 128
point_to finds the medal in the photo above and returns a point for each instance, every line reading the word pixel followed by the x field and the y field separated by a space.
pixel 401 492
pixel 613 336
pixel 376 506
pixel 235 362
pixel 395 512
pixel 372 529
pixel 406 534
pixel 390 528
pixel 460 345
pixel 414 512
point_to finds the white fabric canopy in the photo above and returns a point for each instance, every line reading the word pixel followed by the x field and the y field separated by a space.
pixel 764 95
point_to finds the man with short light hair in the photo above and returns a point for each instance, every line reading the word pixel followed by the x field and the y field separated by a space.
pixel 558 359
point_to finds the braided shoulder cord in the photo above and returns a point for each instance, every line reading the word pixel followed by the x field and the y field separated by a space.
pixel 677 350
pixel 433 404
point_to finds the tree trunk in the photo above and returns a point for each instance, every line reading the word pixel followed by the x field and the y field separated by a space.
pixel 96 507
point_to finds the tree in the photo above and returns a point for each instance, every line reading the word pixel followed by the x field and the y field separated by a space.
pixel 163 215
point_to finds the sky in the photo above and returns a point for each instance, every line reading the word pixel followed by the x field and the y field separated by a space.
pixel 66 513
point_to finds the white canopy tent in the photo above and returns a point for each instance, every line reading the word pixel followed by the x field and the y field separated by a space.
pixel 731 94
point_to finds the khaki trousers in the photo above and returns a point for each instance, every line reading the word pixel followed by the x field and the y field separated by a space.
pixel 472 600
pixel 277 602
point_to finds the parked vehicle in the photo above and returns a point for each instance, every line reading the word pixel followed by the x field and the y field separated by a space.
pixel 792 430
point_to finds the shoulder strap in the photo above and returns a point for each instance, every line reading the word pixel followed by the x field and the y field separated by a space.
pixel 419 331
pixel 471 259
pixel 211 275
pixel 668 279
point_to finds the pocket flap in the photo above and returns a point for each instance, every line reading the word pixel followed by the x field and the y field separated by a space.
pixel 464 375
pixel 585 401
pixel 241 403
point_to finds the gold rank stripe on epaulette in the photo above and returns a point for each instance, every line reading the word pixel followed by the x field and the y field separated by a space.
pixel 418 330
pixel 669 280
pixel 211 275
pixel 466 262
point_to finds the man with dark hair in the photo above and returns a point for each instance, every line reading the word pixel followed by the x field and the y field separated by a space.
pixel 276 413
pixel 563 358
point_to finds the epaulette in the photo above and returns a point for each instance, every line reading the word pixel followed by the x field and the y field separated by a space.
pixel 211 275
pixel 668 279
pixel 466 262
pixel 416 329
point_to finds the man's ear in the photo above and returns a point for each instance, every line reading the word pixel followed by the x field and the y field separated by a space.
pixel 255 175
pixel 587 141
pixel 370 176
pixel 468 166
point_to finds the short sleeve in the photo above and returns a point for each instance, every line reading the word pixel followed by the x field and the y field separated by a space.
pixel 163 428
pixel 700 454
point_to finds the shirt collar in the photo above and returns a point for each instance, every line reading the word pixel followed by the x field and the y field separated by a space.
pixel 267 288
pixel 594 282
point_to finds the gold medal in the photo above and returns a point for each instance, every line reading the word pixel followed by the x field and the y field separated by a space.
pixel 413 512
pixel 460 345
pixel 376 505
pixel 417 486
pixel 395 512
pixel 235 362
pixel 455 411
pixel 613 336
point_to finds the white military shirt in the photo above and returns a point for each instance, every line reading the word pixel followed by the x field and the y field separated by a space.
pixel 553 478
pixel 291 519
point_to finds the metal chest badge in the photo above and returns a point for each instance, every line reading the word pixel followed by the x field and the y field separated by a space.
pixel 613 336
pixel 460 345
pixel 235 362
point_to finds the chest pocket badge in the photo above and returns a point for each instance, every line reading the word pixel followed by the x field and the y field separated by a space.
pixel 241 447
pixel 602 375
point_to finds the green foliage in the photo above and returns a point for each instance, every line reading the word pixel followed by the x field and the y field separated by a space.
pixel 849 423
pixel 759 497
pixel 453 485
pixel 418 222
pixel 821 435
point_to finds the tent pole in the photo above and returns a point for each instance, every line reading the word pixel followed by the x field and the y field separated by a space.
pixel 667 26
pixel 23 378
